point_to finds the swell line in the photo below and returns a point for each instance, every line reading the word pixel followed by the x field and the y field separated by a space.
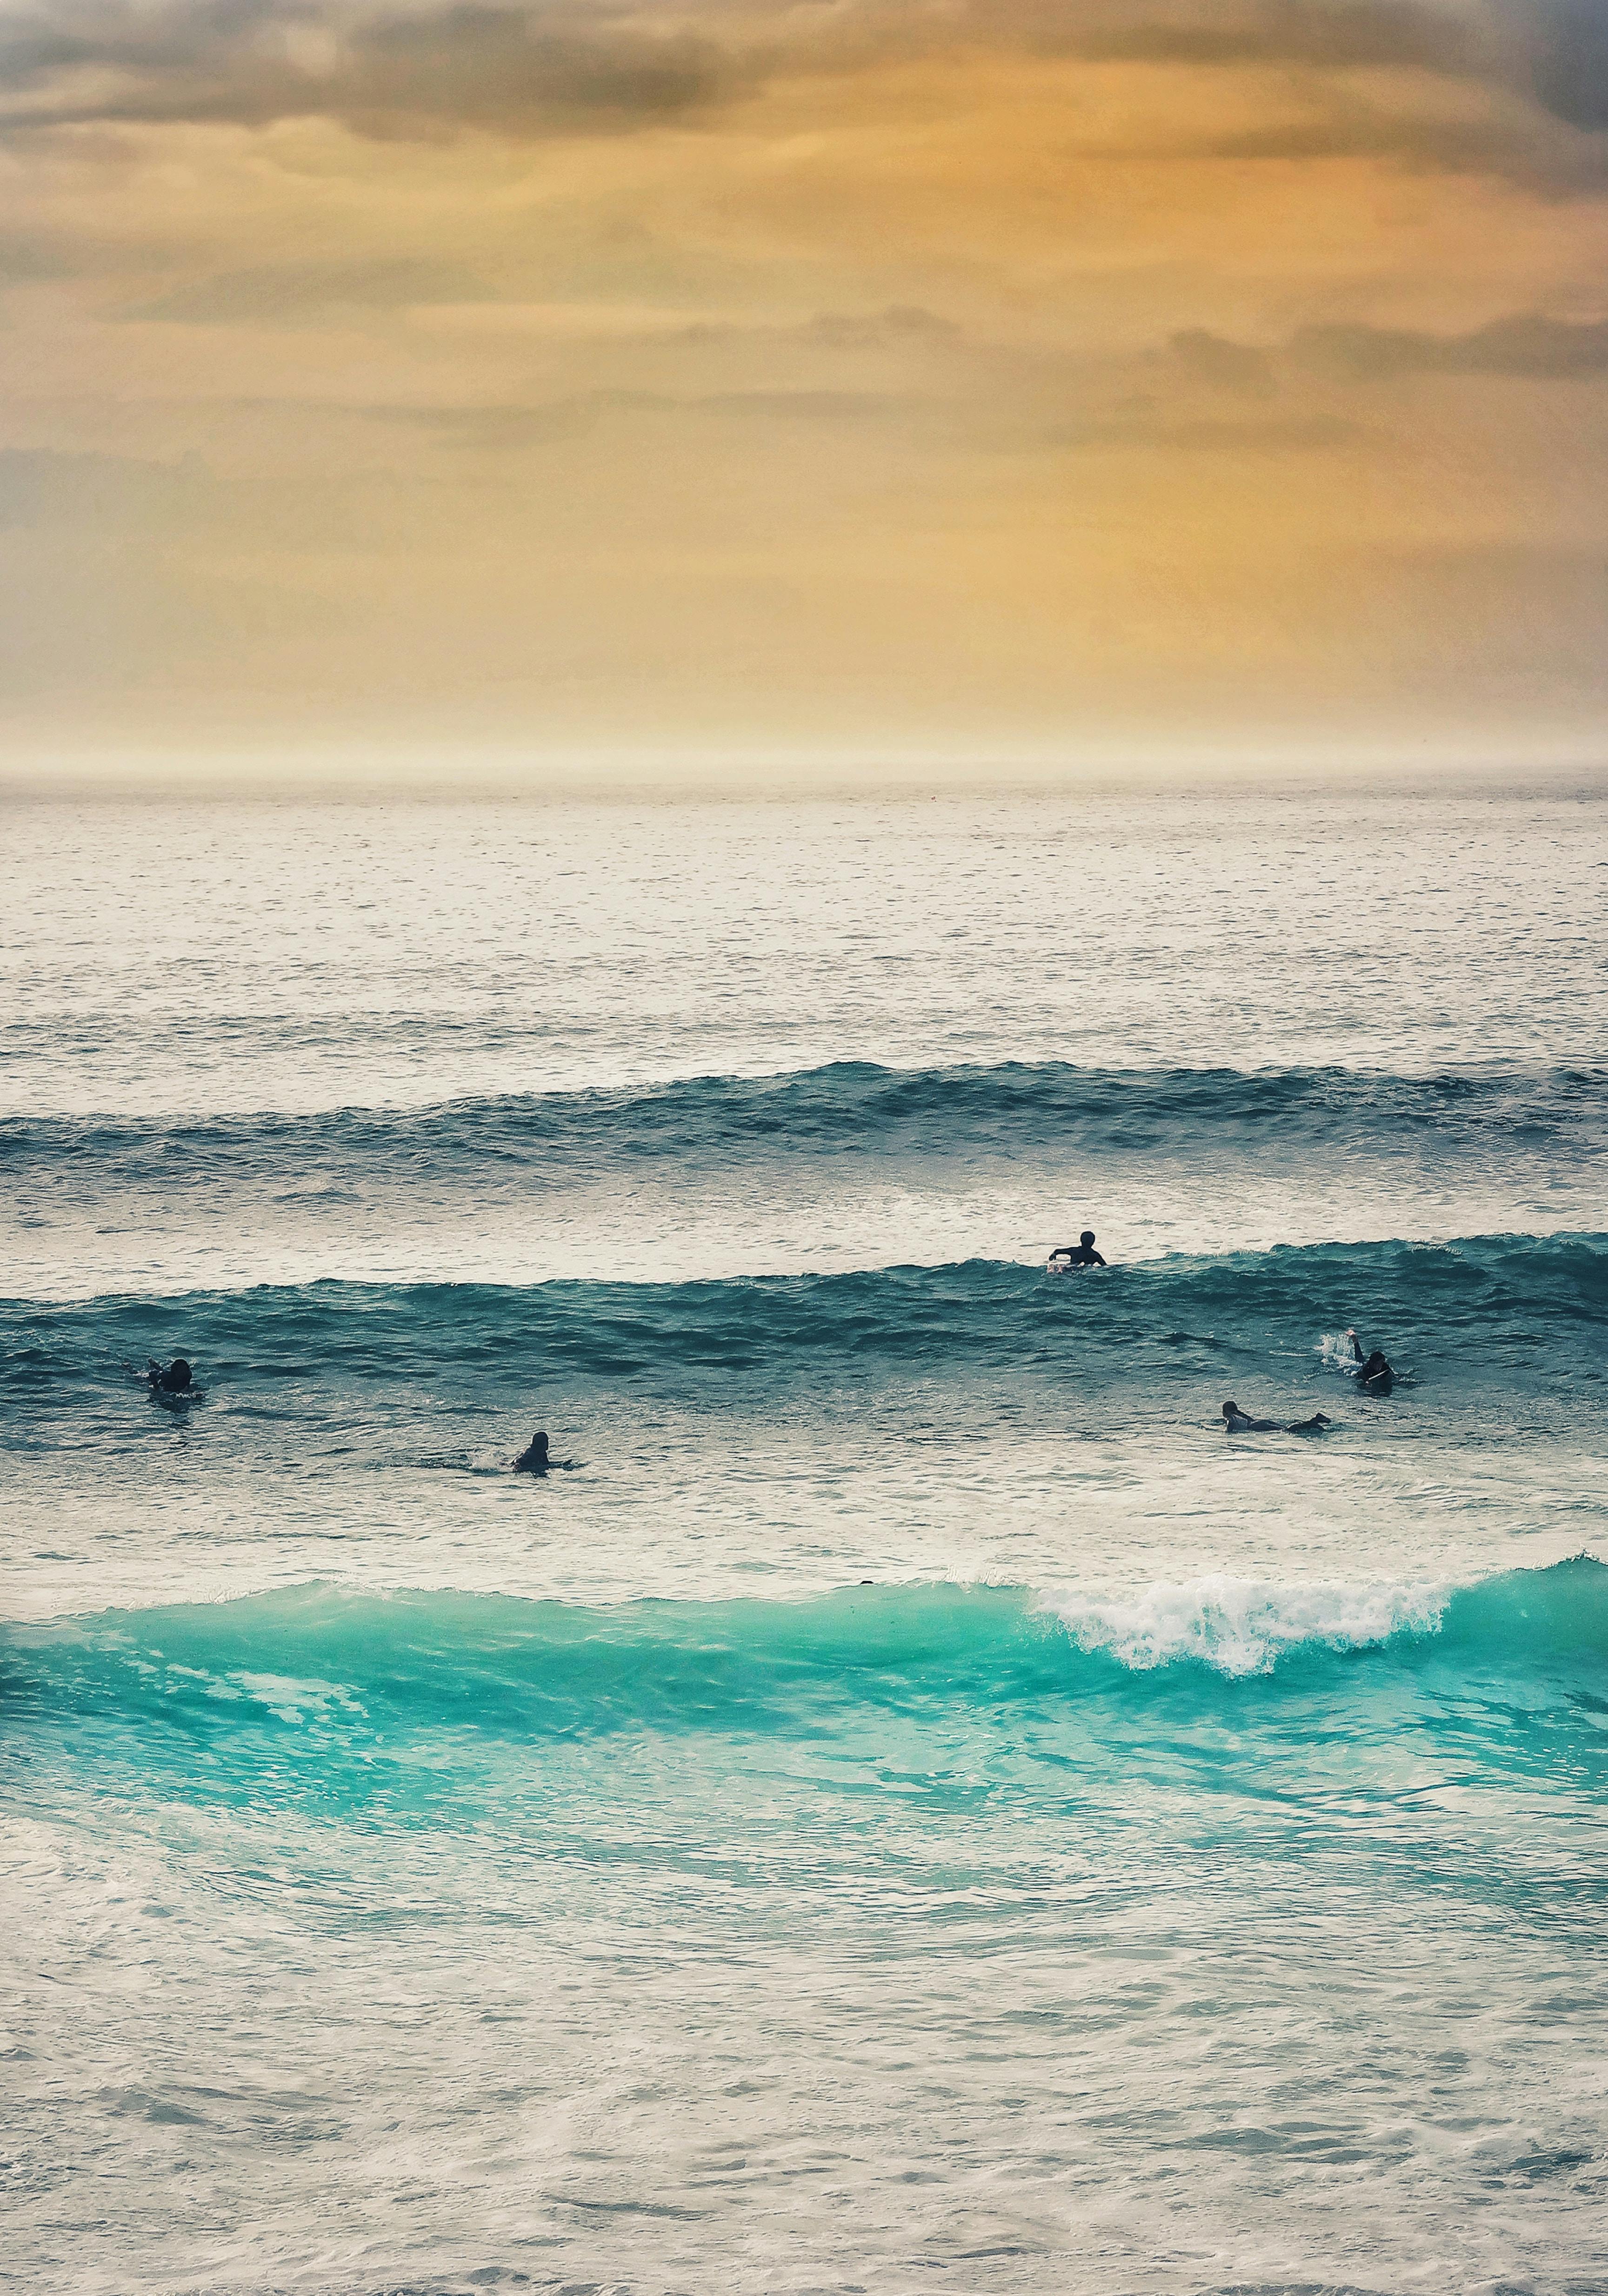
pixel 1490 1289
pixel 952 1110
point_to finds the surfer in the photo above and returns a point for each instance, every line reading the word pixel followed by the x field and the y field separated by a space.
pixel 533 1459
pixel 1375 1376
pixel 1079 1255
pixel 169 1379
pixel 1240 1422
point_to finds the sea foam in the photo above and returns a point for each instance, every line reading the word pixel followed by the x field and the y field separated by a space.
pixel 1245 1625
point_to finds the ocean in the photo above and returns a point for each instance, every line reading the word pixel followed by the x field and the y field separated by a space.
pixel 909 1802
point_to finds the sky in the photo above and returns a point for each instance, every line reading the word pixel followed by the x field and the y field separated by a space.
pixel 968 376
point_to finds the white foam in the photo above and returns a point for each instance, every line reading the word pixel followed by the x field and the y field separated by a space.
pixel 1243 1625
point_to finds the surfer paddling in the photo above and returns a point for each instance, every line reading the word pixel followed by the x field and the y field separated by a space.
pixel 1374 1373
pixel 1236 1421
pixel 175 1378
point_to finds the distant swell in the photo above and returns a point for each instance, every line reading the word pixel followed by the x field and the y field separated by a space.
pixel 979 1314
pixel 958 1111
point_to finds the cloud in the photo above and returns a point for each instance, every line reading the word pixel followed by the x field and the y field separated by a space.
pixel 1569 51
pixel 520 68
pixel 24 261
pixel 1527 344
pixel 39 487
pixel 559 420
pixel 901 325
pixel 1342 35
pixel 1512 87
pixel 1552 51
pixel 1144 425
pixel 287 294
pixel 1201 356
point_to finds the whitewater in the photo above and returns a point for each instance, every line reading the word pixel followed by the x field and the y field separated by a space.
pixel 909 1803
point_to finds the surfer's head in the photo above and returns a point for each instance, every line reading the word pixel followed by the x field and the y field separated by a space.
pixel 1230 1409
pixel 1087 1238
pixel 177 1375
pixel 538 1444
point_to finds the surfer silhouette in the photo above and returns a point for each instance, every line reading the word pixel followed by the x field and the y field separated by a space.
pixel 1241 1422
pixel 1082 1254
pixel 533 1459
pixel 169 1379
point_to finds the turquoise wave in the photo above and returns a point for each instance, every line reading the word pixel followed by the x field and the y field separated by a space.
pixel 365 1671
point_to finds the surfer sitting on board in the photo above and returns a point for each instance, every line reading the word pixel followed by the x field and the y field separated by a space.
pixel 1240 1422
pixel 1079 1255
pixel 533 1459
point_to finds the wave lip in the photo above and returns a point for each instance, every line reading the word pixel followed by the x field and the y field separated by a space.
pixel 1241 1627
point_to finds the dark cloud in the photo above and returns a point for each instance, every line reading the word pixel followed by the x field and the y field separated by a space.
pixel 1552 51
pixel 1526 345
pixel 289 294
pixel 1343 35
pixel 504 68
pixel 252 61
pixel 1569 42
pixel 533 67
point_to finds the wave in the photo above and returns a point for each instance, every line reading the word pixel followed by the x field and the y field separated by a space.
pixel 835 1169
pixel 1245 1625
pixel 1482 1295
pixel 956 1110
pixel 332 1665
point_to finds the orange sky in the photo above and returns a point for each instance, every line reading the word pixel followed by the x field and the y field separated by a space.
pixel 984 376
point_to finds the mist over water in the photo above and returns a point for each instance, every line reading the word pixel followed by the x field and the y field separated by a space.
pixel 1181 1867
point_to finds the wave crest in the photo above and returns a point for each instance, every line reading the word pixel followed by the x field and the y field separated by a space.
pixel 1245 1625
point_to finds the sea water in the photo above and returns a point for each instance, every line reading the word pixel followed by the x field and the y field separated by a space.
pixel 911 1803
